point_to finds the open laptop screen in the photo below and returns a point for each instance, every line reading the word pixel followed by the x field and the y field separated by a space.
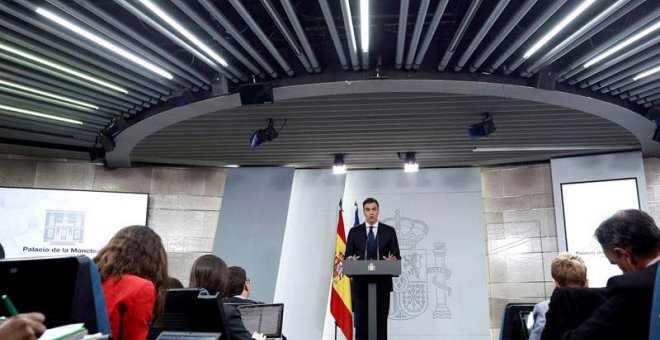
pixel 263 318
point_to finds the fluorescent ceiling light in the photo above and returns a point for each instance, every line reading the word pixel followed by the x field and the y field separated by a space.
pixel 39 114
pixel 151 6
pixel 553 148
pixel 105 43
pixel 62 68
pixel 349 22
pixel 48 94
pixel 647 73
pixel 364 25
pixel 574 14
pixel 622 44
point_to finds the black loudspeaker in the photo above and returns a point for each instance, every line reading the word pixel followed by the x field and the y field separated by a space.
pixel 653 113
pixel 220 87
pixel 656 135
pixel 545 80
pixel 256 93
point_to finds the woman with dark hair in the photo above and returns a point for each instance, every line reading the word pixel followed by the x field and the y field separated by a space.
pixel 211 273
pixel 133 270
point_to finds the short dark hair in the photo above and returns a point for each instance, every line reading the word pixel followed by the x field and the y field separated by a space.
pixel 633 230
pixel 370 200
pixel 2 252
pixel 237 278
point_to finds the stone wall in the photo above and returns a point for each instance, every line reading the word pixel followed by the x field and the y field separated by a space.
pixel 184 203
pixel 652 174
pixel 520 234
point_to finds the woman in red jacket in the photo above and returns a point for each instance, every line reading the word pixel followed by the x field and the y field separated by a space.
pixel 133 270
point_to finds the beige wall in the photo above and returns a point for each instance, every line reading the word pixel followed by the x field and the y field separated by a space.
pixel 520 235
pixel 184 203
pixel 652 174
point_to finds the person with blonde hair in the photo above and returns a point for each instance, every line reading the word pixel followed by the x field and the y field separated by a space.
pixel 567 270
pixel 133 271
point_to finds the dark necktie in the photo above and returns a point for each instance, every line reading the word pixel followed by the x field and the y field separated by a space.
pixel 371 244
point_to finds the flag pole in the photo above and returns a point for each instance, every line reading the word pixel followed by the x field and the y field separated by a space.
pixel 340 209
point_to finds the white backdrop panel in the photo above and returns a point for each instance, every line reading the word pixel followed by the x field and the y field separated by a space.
pixel 305 272
pixel 590 169
pixel 442 293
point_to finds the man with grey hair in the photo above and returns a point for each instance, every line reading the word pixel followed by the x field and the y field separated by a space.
pixel 631 240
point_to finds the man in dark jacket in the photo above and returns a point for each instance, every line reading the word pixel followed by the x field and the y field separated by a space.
pixel 631 240
pixel 371 240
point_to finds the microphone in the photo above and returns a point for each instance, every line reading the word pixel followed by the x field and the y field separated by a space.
pixel 377 249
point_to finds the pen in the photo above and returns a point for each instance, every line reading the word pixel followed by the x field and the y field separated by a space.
pixel 10 306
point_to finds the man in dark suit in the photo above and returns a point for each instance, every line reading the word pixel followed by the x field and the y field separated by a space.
pixel 371 240
pixel 570 307
pixel 238 290
pixel 631 240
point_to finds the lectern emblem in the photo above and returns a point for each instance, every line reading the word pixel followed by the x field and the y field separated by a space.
pixel 411 289
pixel 371 267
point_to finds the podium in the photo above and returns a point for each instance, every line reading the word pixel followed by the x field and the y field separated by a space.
pixel 371 270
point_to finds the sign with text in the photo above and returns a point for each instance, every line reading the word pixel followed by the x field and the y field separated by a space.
pixel 586 205
pixel 40 222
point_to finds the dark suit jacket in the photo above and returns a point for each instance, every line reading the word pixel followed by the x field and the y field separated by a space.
pixel 626 313
pixel 569 307
pixel 235 324
pixel 387 244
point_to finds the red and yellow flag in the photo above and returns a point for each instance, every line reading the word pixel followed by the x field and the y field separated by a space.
pixel 340 298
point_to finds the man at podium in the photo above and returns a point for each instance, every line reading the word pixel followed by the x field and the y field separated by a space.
pixel 371 240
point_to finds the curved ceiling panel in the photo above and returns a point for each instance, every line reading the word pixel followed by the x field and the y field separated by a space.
pixel 69 68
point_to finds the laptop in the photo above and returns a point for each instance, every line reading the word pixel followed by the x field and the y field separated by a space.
pixel 263 318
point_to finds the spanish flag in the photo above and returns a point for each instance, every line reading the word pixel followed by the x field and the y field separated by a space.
pixel 340 299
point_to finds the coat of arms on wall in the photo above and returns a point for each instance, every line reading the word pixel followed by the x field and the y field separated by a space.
pixel 411 289
pixel 64 227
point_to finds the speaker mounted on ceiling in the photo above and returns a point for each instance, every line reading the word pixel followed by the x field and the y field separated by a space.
pixel 258 93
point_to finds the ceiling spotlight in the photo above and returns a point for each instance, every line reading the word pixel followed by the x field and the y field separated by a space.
pixel 410 164
pixel 265 135
pixel 483 129
pixel 339 167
